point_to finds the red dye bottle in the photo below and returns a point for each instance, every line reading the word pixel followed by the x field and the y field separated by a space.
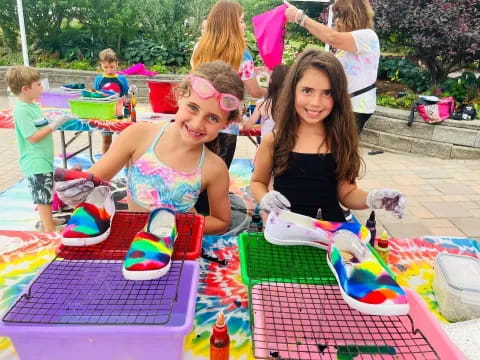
pixel 220 341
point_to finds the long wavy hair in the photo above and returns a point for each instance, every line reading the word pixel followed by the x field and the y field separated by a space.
pixel 274 87
pixel 353 15
pixel 222 38
pixel 340 128
pixel 224 79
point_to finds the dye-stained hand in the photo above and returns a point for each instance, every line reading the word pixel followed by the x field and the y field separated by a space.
pixel 73 192
pixel 387 199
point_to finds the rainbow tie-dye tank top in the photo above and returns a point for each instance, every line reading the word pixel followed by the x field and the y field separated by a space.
pixel 152 184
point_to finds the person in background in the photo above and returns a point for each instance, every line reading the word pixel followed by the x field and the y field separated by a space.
pixel 313 151
pixel 169 164
pixel 34 139
pixel 357 48
pixel 223 39
pixel 264 107
pixel 111 81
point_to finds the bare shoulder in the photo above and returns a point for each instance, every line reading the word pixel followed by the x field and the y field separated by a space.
pixel 143 128
pixel 141 132
pixel 213 165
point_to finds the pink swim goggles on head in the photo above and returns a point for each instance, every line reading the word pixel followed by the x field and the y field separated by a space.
pixel 205 90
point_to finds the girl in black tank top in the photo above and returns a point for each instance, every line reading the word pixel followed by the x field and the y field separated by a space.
pixel 313 153
pixel 309 183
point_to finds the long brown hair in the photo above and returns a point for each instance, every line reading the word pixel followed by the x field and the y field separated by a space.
pixel 353 15
pixel 224 79
pixel 274 87
pixel 222 38
pixel 340 127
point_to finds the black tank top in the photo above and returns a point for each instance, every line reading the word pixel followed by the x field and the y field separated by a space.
pixel 310 183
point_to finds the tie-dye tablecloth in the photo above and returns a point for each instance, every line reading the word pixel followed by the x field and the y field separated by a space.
pixel 22 255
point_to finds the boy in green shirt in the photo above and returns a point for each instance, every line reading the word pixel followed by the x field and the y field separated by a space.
pixel 34 138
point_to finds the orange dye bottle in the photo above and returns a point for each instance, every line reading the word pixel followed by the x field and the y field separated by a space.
pixel 220 341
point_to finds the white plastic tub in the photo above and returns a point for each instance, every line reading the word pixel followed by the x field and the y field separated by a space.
pixel 456 284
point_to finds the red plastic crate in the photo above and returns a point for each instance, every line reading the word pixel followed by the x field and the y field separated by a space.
pixel 125 225
pixel 161 96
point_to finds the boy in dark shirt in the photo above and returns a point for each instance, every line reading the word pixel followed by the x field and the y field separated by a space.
pixel 111 81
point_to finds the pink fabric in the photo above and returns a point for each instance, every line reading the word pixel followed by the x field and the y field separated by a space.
pixel 269 30
pixel 137 69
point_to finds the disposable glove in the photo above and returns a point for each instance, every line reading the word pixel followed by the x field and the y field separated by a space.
pixel 55 121
pixel 387 199
pixel 73 192
pixel 274 199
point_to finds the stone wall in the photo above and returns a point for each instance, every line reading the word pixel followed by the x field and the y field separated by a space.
pixel 386 129
pixel 58 77
pixel 450 139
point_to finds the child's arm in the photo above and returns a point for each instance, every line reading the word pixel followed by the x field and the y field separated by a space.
pixel 120 152
pixel 357 199
pixel 54 123
pixel 351 196
pixel 263 168
pixel 40 134
pixel 217 181
pixel 261 178
pixel 252 120
pixel 123 80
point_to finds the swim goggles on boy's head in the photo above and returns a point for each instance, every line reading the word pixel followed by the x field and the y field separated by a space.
pixel 205 90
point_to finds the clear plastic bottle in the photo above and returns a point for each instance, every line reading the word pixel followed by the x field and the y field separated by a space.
pixel 382 248
pixel 220 341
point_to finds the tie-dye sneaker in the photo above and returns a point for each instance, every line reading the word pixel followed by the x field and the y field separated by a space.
pixel 150 253
pixel 365 285
pixel 91 220
pixel 284 227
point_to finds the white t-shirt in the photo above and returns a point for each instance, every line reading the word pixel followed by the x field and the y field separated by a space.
pixel 361 69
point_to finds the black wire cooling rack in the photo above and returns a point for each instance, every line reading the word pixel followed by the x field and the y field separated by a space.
pixel 85 285
pixel 297 311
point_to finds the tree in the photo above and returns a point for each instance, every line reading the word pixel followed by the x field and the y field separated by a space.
pixel 443 34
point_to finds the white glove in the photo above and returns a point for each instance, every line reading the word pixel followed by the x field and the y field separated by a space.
pixel 73 192
pixel 274 199
pixel 55 121
pixel 387 199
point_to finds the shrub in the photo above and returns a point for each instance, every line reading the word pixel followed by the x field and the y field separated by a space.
pixel 405 71
pixel 443 34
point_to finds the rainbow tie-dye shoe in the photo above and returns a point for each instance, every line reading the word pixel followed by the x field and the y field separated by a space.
pixel 91 220
pixel 365 285
pixel 150 253
pixel 284 227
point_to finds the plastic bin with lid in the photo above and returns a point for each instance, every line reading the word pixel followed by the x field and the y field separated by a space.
pixel 456 284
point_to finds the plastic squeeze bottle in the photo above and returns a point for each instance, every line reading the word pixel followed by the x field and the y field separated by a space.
pixel 382 248
pixel 220 341
pixel 370 224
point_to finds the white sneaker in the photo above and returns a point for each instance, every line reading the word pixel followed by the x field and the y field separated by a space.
pixel 284 227
pixel 365 285
pixel 91 220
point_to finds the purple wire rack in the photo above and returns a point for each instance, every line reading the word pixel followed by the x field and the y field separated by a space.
pixel 95 292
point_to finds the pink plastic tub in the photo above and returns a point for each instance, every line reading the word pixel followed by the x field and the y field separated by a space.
pixel 57 98
pixel 293 321
pixel 116 299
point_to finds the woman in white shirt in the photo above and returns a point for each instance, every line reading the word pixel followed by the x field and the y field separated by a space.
pixel 356 46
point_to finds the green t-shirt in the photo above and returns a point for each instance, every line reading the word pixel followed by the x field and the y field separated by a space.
pixel 34 158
